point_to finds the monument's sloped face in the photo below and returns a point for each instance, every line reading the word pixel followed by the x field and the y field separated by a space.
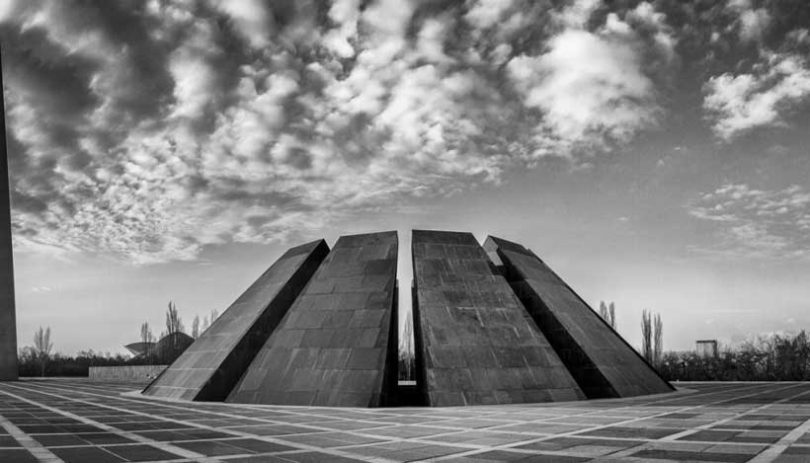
pixel 603 364
pixel 475 342
pixel 331 347
pixel 211 366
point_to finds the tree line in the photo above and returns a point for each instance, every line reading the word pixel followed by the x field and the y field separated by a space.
pixel 38 359
pixel 778 357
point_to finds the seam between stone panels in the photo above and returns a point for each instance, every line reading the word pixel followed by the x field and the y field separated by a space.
pixel 119 432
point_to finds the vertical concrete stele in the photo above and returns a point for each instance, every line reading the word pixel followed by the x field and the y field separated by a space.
pixel 334 346
pixel 601 361
pixel 211 366
pixel 475 343
pixel 8 320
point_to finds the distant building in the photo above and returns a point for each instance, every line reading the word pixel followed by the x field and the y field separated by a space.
pixel 706 347
pixel 140 348
pixel 166 350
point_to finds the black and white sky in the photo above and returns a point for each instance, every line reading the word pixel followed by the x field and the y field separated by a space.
pixel 655 153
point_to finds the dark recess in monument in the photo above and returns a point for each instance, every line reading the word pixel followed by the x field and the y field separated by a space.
pixel 332 347
pixel 601 361
pixel 209 369
pixel 477 343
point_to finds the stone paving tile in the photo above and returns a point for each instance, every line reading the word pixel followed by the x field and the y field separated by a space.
pixel 506 456
pixel 736 448
pixel 479 438
pixel 17 456
pixel 542 428
pixel 8 441
pixel 315 457
pixel 86 455
pixel 140 453
pixel 791 459
pixel 212 447
pixel 680 455
pixel 630 432
pixel 330 439
pixel 567 443
pixel 409 431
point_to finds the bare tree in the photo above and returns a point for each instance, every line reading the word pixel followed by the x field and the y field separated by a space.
pixel 42 347
pixel 406 350
pixel 214 316
pixel 612 315
pixel 603 311
pixel 173 322
pixel 147 338
pixel 608 313
pixel 195 327
pixel 658 340
pixel 646 335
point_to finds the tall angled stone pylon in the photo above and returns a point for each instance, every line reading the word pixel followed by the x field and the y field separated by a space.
pixel 603 364
pixel 334 346
pixel 8 319
pixel 209 368
pixel 475 343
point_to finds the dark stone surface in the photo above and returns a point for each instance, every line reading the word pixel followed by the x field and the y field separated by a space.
pixel 141 453
pixel 682 455
pixel 17 456
pixel 209 369
pixel 8 323
pixel 332 346
pixel 603 364
pixel 475 342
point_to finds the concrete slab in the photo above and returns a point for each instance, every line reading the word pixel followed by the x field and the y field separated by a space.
pixel 335 345
pixel 475 344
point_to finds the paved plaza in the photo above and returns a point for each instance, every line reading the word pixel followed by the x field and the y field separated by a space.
pixel 74 420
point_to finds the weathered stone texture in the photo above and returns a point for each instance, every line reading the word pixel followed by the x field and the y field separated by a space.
pixel 209 368
pixel 331 348
pixel 475 342
pixel 603 364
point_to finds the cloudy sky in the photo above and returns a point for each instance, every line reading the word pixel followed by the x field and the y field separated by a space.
pixel 654 153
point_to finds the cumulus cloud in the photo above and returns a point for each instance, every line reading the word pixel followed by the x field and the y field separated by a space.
pixel 759 223
pixel 739 103
pixel 486 13
pixel 252 20
pixel 752 22
pixel 592 87
pixel 149 131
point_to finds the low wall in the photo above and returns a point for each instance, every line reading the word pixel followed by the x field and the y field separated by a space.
pixel 130 373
